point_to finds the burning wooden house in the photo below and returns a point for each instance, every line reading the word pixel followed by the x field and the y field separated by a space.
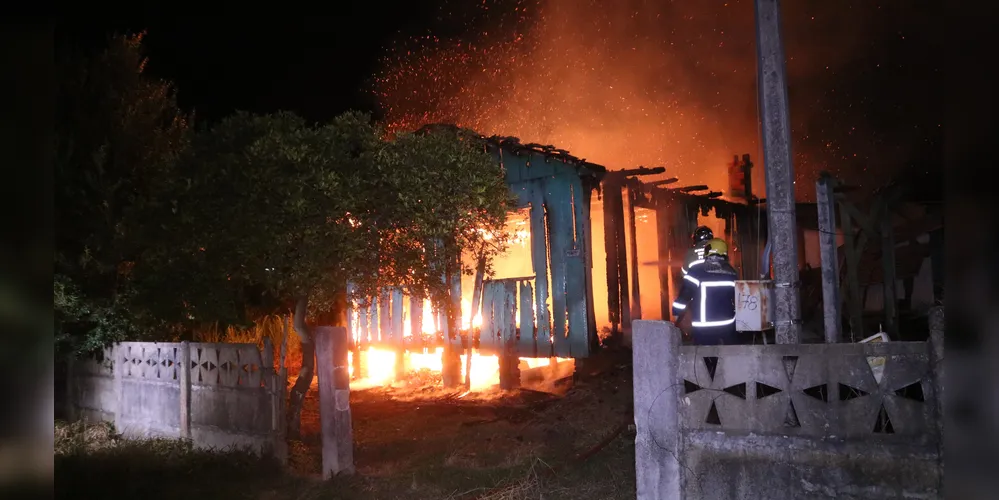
pixel 647 228
pixel 545 311
pixel 579 264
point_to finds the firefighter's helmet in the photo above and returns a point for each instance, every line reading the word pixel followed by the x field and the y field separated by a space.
pixel 716 247
pixel 702 233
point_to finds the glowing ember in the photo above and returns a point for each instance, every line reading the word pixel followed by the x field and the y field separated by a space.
pixel 634 82
pixel 621 87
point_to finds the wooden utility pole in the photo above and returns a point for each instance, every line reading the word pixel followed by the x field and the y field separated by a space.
pixel 772 82
pixel 826 201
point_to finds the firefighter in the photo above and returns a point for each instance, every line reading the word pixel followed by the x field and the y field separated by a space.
pixel 695 255
pixel 708 295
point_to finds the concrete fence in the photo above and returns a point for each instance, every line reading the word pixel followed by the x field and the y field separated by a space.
pixel 785 421
pixel 216 395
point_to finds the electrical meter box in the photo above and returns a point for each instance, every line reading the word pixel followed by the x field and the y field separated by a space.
pixel 754 305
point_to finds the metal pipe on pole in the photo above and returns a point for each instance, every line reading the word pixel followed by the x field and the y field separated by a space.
pixel 772 84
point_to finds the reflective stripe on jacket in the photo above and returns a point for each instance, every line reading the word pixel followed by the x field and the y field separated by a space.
pixel 708 291
pixel 694 257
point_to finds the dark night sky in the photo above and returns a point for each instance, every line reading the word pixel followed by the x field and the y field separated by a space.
pixel 314 65
pixel 319 66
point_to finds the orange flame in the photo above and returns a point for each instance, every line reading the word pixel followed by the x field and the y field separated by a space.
pixel 380 363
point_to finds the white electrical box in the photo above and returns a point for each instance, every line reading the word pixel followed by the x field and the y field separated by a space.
pixel 754 305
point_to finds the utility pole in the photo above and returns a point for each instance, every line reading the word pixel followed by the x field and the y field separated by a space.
pixel 772 82
pixel 826 201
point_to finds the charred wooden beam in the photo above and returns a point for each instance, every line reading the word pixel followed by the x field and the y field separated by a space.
pixel 691 189
pixel 620 175
pixel 713 194
pixel 663 182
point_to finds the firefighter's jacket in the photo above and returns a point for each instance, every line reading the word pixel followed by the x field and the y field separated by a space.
pixel 694 257
pixel 707 293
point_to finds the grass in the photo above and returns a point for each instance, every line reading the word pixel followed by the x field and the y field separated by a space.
pixel 407 446
pixel 92 461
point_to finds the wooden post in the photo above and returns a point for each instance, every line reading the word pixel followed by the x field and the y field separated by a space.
pixel 747 178
pixel 581 205
pixel 397 338
pixel 539 262
pixel 888 270
pixel 184 376
pixel 611 193
pixel 509 362
pixel 451 358
pixel 658 392
pixel 622 260
pixel 636 293
pixel 416 318
pixel 334 400
pixel 780 171
pixel 853 298
pixel 480 273
pixel 826 201
pixel 663 243
pixel 679 237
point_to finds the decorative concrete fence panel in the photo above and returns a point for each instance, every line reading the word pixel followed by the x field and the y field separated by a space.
pixel 91 392
pixel 216 395
pixel 148 389
pixel 785 421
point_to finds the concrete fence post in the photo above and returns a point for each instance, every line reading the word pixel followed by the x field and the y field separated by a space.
pixel 937 326
pixel 275 390
pixel 70 388
pixel 270 382
pixel 332 347
pixel 118 366
pixel 184 377
pixel 657 394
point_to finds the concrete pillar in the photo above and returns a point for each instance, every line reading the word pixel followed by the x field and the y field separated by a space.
pixel 184 377
pixel 937 327
pixel 657 394
pixel 332 346
pixel 781 207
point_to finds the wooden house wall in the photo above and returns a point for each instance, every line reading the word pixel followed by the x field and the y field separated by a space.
pixel 559 202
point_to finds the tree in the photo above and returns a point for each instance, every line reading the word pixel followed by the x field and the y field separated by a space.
pixel 295 211
pixel 118 132
pixel 450 199
pixel 272 206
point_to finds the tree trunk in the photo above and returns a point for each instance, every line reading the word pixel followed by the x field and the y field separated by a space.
pixel 307 372
pixel 451 362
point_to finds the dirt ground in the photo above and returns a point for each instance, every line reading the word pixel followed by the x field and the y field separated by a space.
pixel 423 442
pixel 418 442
